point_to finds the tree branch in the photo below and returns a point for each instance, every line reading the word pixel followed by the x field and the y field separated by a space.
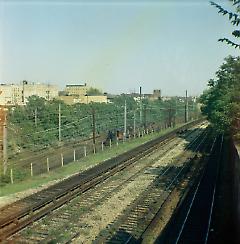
pixel 229 42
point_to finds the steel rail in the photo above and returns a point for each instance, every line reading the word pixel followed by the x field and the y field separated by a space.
pixel 62 193
pixel 214 191
pixel 65 198
pixel 149 226
pixel 166 148
pixel 195 143
pixel 193 200
pixel 173 181
pixel 45 207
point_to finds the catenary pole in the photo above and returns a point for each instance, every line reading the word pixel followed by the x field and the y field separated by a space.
pixel 125 120
pixel 35 117
pixel 186 107
pixel 59 123
pixel 93 126
pixel 134 124
pixel 5 157
pixel 140 93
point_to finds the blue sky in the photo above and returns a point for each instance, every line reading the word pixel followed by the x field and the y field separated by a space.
pixel 116 46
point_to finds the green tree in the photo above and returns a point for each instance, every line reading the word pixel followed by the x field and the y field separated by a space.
pixel 221 100
pixel 233 17
pixel 93 92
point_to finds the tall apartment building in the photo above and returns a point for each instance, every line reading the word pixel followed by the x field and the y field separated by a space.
pixel 12 94
pixel 76 90
pixel 42 90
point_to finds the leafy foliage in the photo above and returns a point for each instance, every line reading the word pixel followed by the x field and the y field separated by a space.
pixel 94 91
pixel 221 100
pixel 35 126
pixel 233 17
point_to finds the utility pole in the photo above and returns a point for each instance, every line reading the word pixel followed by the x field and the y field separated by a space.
pixel 125 121
pixel 145 117
pixel 169 116
pixel 59 122
pixel 93 126
pixel 134 124
pixel 5 157
pixel 186 107
pixel 176 113
pixel 35 117
pixel 140 92
pixel 174 116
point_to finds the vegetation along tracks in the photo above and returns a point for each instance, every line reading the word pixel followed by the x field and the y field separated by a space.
pixel 53 202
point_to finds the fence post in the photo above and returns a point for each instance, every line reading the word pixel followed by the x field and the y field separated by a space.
pixel 85 151
pixel 74 155
pixel 62 159
pixel 94 149
pixel 110 143
pixel 31 169
pixel 117 141
pixel 147 131
pixel 48 165
pixel 11 176
pixel 102 145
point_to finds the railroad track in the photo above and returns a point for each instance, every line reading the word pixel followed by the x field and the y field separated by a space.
pixel 18 215
pixel 191 222
pixel 195 226
pixel 131 224
pixel 91 199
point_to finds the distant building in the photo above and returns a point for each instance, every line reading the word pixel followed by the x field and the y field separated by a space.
pixel 78 94
pixel 70 100
pixel 12 94
pixel 46 91
pixel 78 90
pixel 156 95
pixel 94 99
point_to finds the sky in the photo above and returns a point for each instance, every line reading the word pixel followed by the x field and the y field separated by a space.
pixel 115 46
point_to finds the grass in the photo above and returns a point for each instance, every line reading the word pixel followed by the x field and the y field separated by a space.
pixel 78 166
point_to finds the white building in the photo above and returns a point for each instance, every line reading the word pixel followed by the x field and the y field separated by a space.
pixel 41 90
pixel 76 90
pixel 12 94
